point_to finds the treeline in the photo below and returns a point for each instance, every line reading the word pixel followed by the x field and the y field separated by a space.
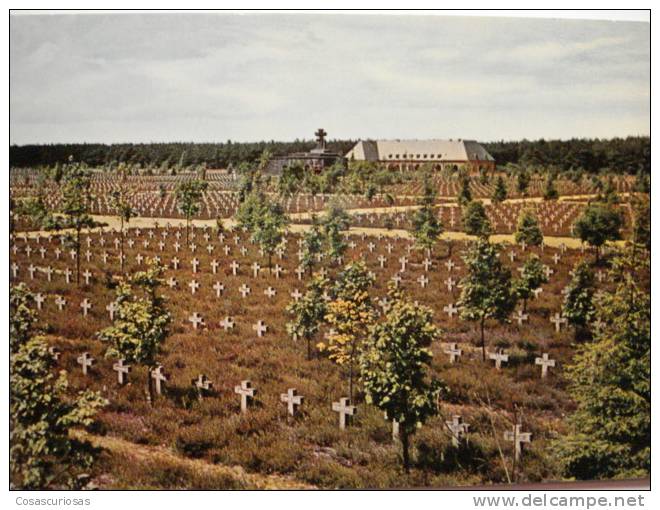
pixel 165 155
pixel 617 155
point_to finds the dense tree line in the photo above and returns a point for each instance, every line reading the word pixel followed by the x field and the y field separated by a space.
pixel 167 155
pixel 619 155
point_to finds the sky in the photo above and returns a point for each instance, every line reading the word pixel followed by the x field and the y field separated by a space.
pixel 210 77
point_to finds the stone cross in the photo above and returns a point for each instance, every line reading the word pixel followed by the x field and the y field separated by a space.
pixel 270 292
pixel 122 371
pixel 214 266
pixel 427 264
pixel 403 261
pixel 255 269
pixel 112 308
pixel 86 361
pixel 159 378
pixel 175 263
pixel 86 306
pixel 39 299
pixel 246 391
pixel 14 269
pixel 450 265
pixel 545 362
pixel 558 320
pixel 195 264
pixel 196 320
pixel 31 270
pixel 423 281
pixel 244 290
pixel 60 302
pixel 521 317
pixel 49 273
pixel 67 275
pixel 203 385
pixel 450 309
pixel 556 258
pixel 536 292
pixel 260 327
pixel 227 323
pixel 458 429
pixel 498 356
pixel 218 288
pixel 382 260
pixel 292 400
pixel 194 285
pixel 296 294
pixel 518 437
pixel 345 410
pixel 454 352
pixel 234 267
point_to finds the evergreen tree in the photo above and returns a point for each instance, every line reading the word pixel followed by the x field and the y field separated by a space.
pixel 578 305
pixel 426 226
pixel 550 192
pixel 42 454
pixel 500 192
pixel 141 321
pixel 120 202
pixel 465 195
pixel 350 313
pixel 528 229
pixel 486 289
pixel 522 182
pixel 475 220
pixel 395 367
pixel 312 245
pixel 335 222
pixel 308 312
pixel 531 278
pixel 188 195
pixel 610 434
pixel 599 223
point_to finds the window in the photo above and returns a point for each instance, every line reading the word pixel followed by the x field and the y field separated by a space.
pixel 417 156
pixel 425 155
pixel 397 156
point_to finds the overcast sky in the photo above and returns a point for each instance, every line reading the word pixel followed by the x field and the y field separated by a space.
pixel 213 77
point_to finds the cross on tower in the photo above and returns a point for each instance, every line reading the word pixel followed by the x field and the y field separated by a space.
pixel 320 138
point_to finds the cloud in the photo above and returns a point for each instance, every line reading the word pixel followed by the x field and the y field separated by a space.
pixel 142 77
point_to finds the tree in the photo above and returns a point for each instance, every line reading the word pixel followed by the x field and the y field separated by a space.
pixel 599 223
pixel 291 179
pixel 578 305
pixel 265 220
pixel 522 182
pixel 426 226
pixel 120 203
pixel 42 453
pixel 550 192
pixel 395 366
pixel 308 312
pixel 141 321
pixel 188 195
pixel 32 210
pixel 486 290
pixel 500 192
pixel 465 195
pixel 475 221
pixel 528 229
pixel 335 222
pixel 74 212
pixel 610 435
pixel 312 245
pixel 641 219
pixel 349 315
pixel 532 277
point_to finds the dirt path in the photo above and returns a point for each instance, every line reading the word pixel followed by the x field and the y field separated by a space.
pixel 140 454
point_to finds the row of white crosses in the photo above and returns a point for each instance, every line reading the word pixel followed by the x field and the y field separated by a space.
pixel 499 357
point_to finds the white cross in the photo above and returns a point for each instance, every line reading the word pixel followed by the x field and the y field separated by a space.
pixel 545 362
pixel 403 261
pixel 246 391
pixel 454 352
pixel 558 320
pixel 14 269
pixel 175 263
pixel 382 260
pixel 227 323
pixel 292 400
pixel 260 327
pixel 196 320
pixel 39 299
pixel 427 264
pixel 521 317
pixel 194 285
pixel 423 281
pixel 86 306
pixel 450 265
pixel 244 290
pixel 458 429
pixel 270 292
pixel 345 409
pixel 296 294
pixel 499 356
pixel 60 302
pixel 518 437
pixel 112 308
pixel 194 262
pixel 234 267
pixel 87 275
pixel 214 266
pixel 159 377
pixel 122 371
pixel 255 269
pixel 218 288
pixel 450 309
pixel 86 361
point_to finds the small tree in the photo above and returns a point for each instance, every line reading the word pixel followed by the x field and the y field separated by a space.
pixel 599 223
pixel 465 195
pixel 188 195
pixel 486 290
pixel 475 220
pixel 141 322
pixel 75 208
pixel 42 455
pixel 550 192
pixel 500 192
pixel 522 182
pixel 610 434
pixel 312 245
pixel 308 312
pixel 426 226
pixel 395 367
pixel 578 305
pixel 349 315
pixel 335 222
pixel 120 203
pixel 532 277
pixel 528 229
